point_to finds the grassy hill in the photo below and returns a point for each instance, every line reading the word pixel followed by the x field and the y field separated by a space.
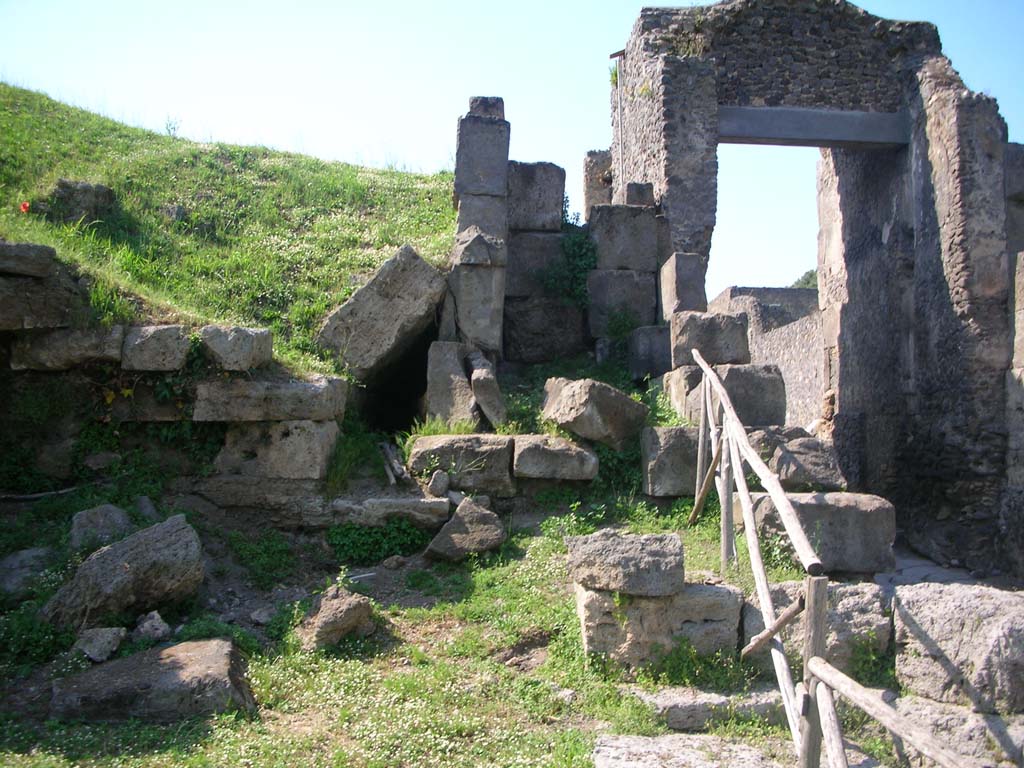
pixel 213 232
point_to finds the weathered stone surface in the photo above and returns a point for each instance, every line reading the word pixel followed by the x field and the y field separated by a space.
pixel 678 384
pixel 27 259
pixel 386 316
pixel 487 213
pixel 27 303
pixel 858 617
pixel 319 399
pixel 620 297
pixel 449 394
pixel 478 249
pixel 850 532
pixel 238 349
pixel 669 456
pixel 650 352
pixel 540 329
pixel 438 485
pixel 648 565
pixel 681 285
pixel 474 462
pixel 193 679
pixel 593 410
pixel 335 614
pixel 296 450
pixel 157 565
pixel 72 201
pixel 151 627
pixel 98 644
pixel 65 349
pixel 693 709
pixel 471 529
pixel 142 404
pixel 154 348
pixel 807 463
pixel 637 630
pixel 719 338
pixel 530 256
pixel 597 180
pixel 96 526
pixel 553 458
pixel 757 392
pixel 477 286
pixel 535 193
pixel 988 739
pixel 626 237
pixel 282 503
pixel 961 644
pixel 427 512
pixel 19 569
pixel 486 391
pixel 639 193
pixel 677 751
pixel 487 106
pixel 481 156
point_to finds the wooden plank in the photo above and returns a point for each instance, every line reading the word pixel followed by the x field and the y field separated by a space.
pixel 835 750
pixel 871 702
pixel 761 639
pixel 815 627
pixel 702 441
pixel 705 487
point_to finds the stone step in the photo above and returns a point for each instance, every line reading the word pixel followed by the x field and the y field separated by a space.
pixel 692 709
pixel 678 751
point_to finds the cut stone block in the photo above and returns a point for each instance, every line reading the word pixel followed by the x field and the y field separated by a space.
pixel 472 529
pixel 385 317
pixel 961 644
pixel 530 256
pixel 487 106
pixel 476 248
pixel 626 237
pixel 238 349
pixel 597 180
pixel 486 391
pixel 155 348
pixel 281 503
pixel 481 156
pixel 620 297
pixel 336 613
pixel 486 213
pixel 693 709
pixel 807 463
pixel 637 630
pixel 677 750
pixel 27 259
pixel 320 399
pixel 27 303
pixel 593 410
pixel 669 456
pixel 477 286
pixel 650 352
pixel 640 193
pixel 535 195
pixel 681 285
pixel 65 349
pixel 981 739
pixel 648 565
pixel 449 395
pixel 296 450
pixel 757 392
pixel 678 384
pixel 540 329
pixel 425 512
pixel 97 526
pixel 546 457
pixel 481 463
pixel 719 338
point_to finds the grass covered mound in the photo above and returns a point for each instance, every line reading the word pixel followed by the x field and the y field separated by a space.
pixel 213 232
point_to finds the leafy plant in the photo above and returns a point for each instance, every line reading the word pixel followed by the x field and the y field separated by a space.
pixel 26 640
pixel 267 556
pixel 872 667
pixel 808 279
pixel 567 278
pixel 366 545
pixel 357 449
pixel 433 425
pixel 682 665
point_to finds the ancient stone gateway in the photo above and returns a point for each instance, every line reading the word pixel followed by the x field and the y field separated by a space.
pixel 919 199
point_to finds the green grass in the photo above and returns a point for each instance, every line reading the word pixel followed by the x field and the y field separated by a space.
pixel 268 238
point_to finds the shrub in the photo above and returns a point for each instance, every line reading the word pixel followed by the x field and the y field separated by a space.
pixel 366 545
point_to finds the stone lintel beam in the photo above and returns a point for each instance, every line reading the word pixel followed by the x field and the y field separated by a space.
pixel 804 127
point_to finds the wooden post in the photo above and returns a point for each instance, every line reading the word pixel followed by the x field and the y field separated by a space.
pixel 728 550
pixel 833 734
pixel 705 488
pixel 702 439
pixel 815 627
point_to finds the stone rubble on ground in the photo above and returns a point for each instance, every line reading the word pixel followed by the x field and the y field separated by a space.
pixel 593 410
pixel 336 613
pixel 100 643
pixel 472 529
pixel 96 526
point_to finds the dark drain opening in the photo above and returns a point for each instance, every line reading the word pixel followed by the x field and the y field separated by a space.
pixel 391 402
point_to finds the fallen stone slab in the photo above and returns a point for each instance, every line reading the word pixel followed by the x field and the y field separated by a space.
pixel 296 450
pixel 162 685
pixel 27 303
pixel 385 317
pixel 322 398
pixel 530 256
pixel 160 564
pixel 449 395
pixel 481 156
pixel 693 709
pixel 92 528
pixel 474 463
pixel 19 569
pixel 98 644
pixel 681 285
pixel 238 349
pixel 807 464
pixel 593 410
pixel 649 565
pixel 540 329
pixel 472 529
pixel 669 456
pixel 336 613
pixel 486 390
pixel 677 751
pixel 546 457
pixel 626 237
pixel 62 350
pixel 535 194
pixel 426 512
pixel 719 338
pixel 649 352
pixel 961 644
pixel 988 739
pixel 27 259
pixel 155 348
pixel 620 299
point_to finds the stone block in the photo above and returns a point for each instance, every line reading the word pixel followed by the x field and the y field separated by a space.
pixel 477 285
pixel 486 392
pixel 807 464
pixel 98 644
pixel 530 256
pixel 639 193
pixel 678 384
pixel 961 644
pixel 757 393
pixel 27 259
pixel 27 303
pixel 426 512
pixel 480 463
pixel 487 213
pixel 472 529
pixel 62 350
pixel 597 180
pixel 693 709
pixel 487 106
pixel 626 237
pixel 535 195
pixel 476 248
pixel 281 503
pixel 594 411
pixel 92 528
pixel 238 349
pixel 385 317
pixel 681 285
pixel 980 739
pixel 669 457
pixel 322 398
pixel 620 296
pixel 154 348
pixel 336 613
pixel 648 565
pixel 681 750
pixel 553 458
pixel 449 395
pixel 649 352
pixel 481 156
pixel 295 450
pixel 719 338
pixel 539 329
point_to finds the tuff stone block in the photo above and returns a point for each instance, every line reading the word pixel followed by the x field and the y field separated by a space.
pixel 487 213
pixel 669 457
pixel 681 285
pixel 477 286
pixel 593 410
pixel 649 352
pixel 154 348
pixel 535 195
pixel 678 384
pixel 481 156
pixel 449 395
pixel 238 349
pixel 620 293
pixel 65 349
pixel 27 303
pixel 757 393
pixel 295 450
pixel 553 458
pixel 481 463
pixel 639 193
pixel 472 529
pixel 648 565
pixel 27 259
pixel 539 329
pixel 530 255
pixel 322 398
pixel 597 180
pixel 626 237
pixel 719 338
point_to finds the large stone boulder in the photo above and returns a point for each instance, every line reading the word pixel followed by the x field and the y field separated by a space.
pixel 155 348
pixel 295 450
pixel 160 564
pixel 163 685
pixel 62 350
pixel 96 526
pixel 385 317
pixel 807 463
pixel 669 456
pixel 546 457
pixel 322 398
pixel 336 613
pixel 593 410
pixel 535 194
pixel 539 329
pixel 475 463
pixel 449 394
pixel 626 237
pixel 530 256
pixel 620 298
pixel 719 338
pixel 238 349
pixel 19 569
pixel 649 352
pixel 472 529
pixel 648 565
pixel 27 259
pixel 681 285
pixel 961 644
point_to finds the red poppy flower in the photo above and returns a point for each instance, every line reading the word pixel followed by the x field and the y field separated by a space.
pixel 25 206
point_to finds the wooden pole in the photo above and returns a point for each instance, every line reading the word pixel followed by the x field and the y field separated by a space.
pixel 833 734
pixel 726 529
pixel 787 617
pixel 815 627
pixel 702 440
pixel 705 487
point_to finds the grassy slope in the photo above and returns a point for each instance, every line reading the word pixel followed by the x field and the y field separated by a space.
pixel 267 238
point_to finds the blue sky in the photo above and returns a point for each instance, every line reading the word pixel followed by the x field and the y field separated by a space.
pixel 382 84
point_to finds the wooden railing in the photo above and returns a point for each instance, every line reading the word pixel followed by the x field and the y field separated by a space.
pixel 809 704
